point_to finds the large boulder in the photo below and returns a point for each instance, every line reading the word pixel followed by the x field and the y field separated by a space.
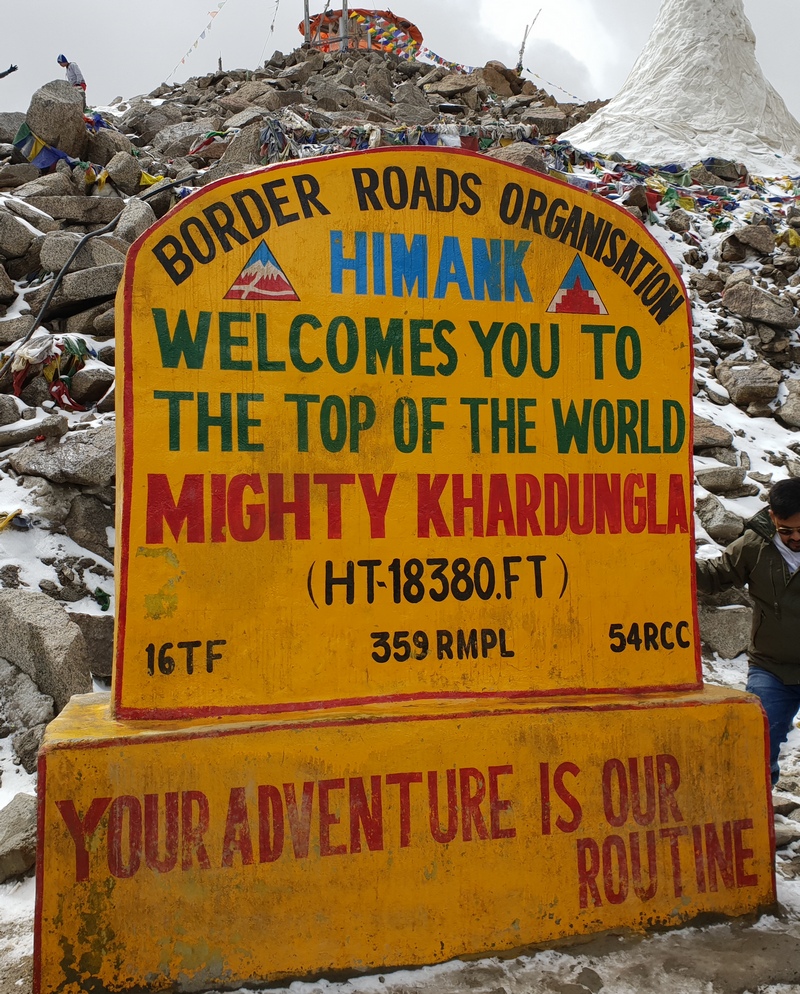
pixel 726 630
pixel 245 147
pixel 520 154
pixel 176 139
pixel 22 705
pixel 78 291
pixel 38 637
pixel 749 383
pixel 104 145
pixel 86 458
pixel 720 523
pixel 98 630
pixel 17 836
pixel 10 123
pixel 15 236
pixel 720 479
pixel 125 172
pixel 707 435
pixel 134 220
pixel 789 410
pixel 755 304
pixel 8 292
pixel 53 426
pixel 88 524
pixel 145 120
pixel 14 175
pixel 56 116
pixel 58 246
pixel 79 210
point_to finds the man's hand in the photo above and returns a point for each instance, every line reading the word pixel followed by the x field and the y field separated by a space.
pixel 11 68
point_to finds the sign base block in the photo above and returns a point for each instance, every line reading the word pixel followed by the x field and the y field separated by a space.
pixel 194 855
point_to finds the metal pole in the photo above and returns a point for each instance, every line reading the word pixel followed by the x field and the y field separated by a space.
pixel 306 23
pixel 343 27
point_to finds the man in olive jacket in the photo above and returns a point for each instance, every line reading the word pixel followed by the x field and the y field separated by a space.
pixel 766 559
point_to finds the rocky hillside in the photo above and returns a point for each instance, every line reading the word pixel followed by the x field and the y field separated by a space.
pixel 77 188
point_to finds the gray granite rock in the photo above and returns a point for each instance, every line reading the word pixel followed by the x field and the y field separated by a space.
pixel 37 636
pixel 86 458
pixel 18 836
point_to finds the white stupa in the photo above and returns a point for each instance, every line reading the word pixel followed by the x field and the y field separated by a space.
pixel 697 91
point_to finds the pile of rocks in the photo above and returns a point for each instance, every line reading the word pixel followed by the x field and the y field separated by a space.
pixel 115 181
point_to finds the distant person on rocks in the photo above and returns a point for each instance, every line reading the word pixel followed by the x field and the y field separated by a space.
pixel 11 68
pixel 766 558
pixel 74 74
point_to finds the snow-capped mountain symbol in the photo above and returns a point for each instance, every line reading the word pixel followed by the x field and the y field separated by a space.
pixel 577 293
pixel 261 279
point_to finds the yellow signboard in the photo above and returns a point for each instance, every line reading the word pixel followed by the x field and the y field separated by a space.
pixel 185 857
pixel 398 425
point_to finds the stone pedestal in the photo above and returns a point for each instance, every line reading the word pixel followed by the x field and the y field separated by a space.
pixel 203 854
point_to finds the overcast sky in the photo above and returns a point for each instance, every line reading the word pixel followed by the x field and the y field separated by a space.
pixel 124 49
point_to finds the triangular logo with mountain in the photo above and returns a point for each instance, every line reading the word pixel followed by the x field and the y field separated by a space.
pixel 261 279
pixel 577 293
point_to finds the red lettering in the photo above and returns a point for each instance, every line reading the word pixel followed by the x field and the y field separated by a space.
pixel 719 857
pixel 82 830
pixel 366 816
pixel 569 799
pixel 219 510
pixel 471 803
pixel 299 820
pixel 439 834
pixel 152 833
pixel 161 507
pixel 581 524
pixel 120 863
pixel 555 504
pixel 328 818
pixel 676 506
pixel 404 780
pixel 334 483
pixel 668 774
pixel 699 860
pixel 499 509
pixel 740 854
pixel 271 826
pixel 429 512
pixel 251 529
pixel 237 830
pixel 377 501
pixel 588 868
pixel 673 835
pixel 654 527
pixel 614 852
pixel 461 502
pixel 642 892
pixel 279 507
pixel 634 508
pixel 192 831
pixel 608 505
pixel 643 814
pixel 529 496
pixel 498 806
pixel 615 769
